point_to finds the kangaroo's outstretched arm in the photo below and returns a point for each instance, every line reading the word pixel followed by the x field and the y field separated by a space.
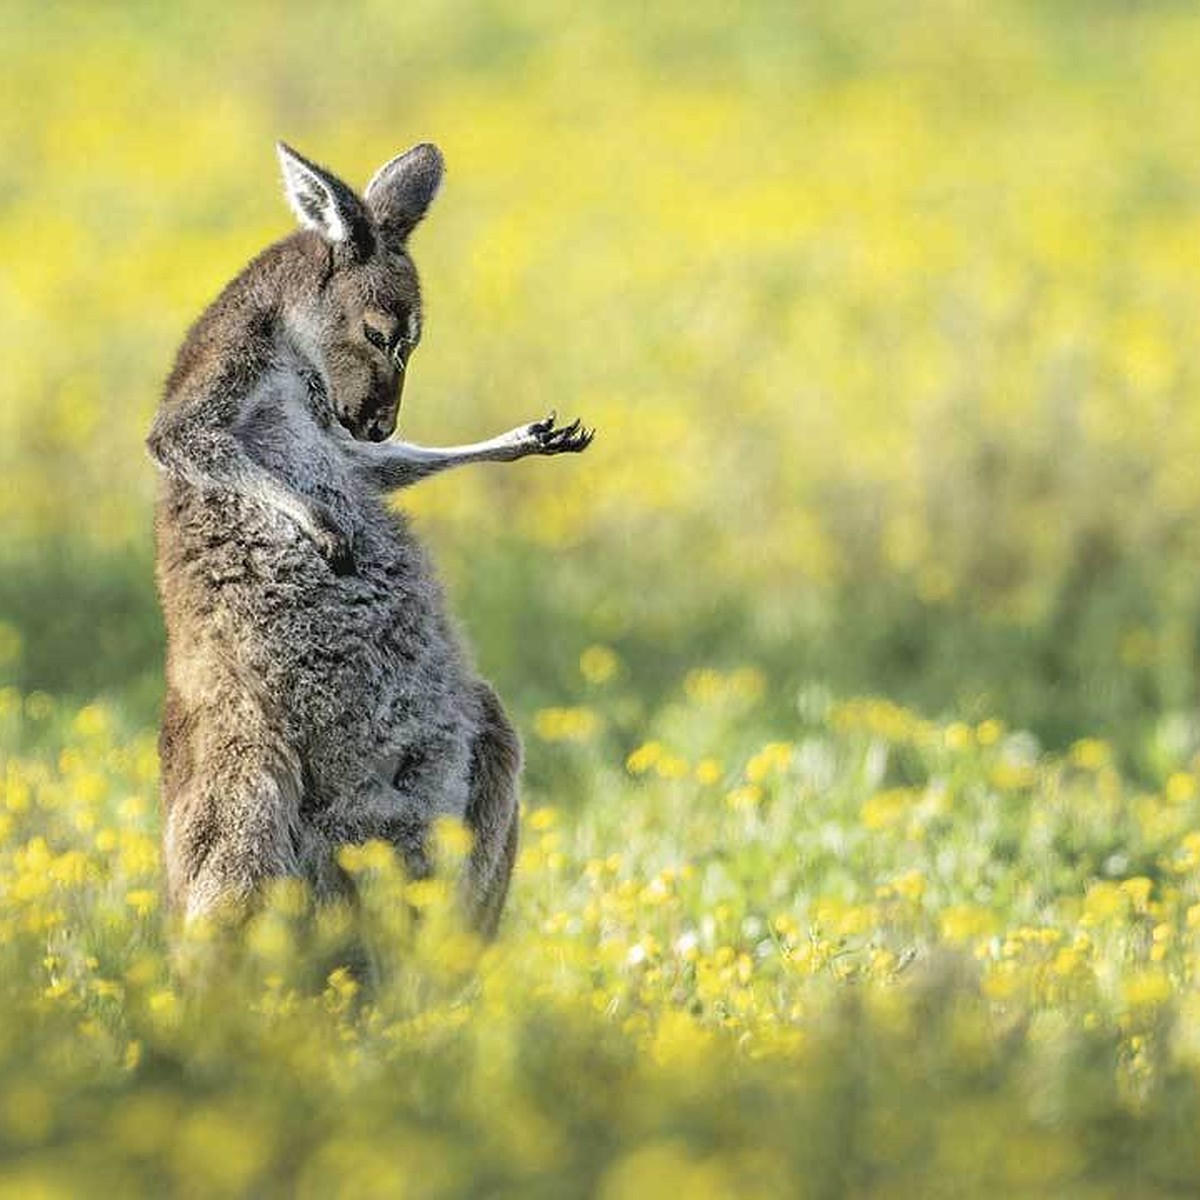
pixel 394 465
pixel 197 440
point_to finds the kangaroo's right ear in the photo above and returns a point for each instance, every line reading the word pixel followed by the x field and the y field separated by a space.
pixel 324 203
pixel 402 190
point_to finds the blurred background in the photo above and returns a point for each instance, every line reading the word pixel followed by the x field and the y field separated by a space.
pixel 856 661
pixel 885 313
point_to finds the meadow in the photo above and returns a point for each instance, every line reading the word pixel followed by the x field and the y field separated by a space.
pixel 856 661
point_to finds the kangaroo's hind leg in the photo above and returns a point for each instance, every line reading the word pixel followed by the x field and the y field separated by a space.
pixel 491 813
pixel 231 823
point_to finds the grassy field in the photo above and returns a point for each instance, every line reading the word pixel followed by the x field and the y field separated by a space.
pixel 857 661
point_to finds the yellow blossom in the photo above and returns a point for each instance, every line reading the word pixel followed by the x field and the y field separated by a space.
pixel 598 664
pixel 644 757
pixel 566 724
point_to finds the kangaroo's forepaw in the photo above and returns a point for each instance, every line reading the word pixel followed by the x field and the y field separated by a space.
pixel 335 544
pixel 341 558
pixel 570 439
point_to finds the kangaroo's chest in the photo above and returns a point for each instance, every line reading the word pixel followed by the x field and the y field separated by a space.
pixel 287 431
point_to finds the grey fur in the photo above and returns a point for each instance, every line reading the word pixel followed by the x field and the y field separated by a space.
pixel 317 694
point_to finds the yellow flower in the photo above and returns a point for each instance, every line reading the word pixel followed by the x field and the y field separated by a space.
pixel 958 736
pixel 1011 777
pixel 910 885
pixel 671 766
pixel 1181 787
pixel 427 893
pixel 93 721
pixel 1103 902
pixel 598 664
pixel 785 925
pixel 143 901
pixel 1146 989
pixel 1066 961
pixel 989 732
pixel 774 756
pixel 17 794
pixel 164 1003
pixel 745 798
pixel 1091 754
pixel 566 724
pixel 375 855
pixel 1138 890
pixel 885 809
pixel 644 757
pixel 452 840
pixel 545 817
pixel 707 686
pixel 964 922
pixel 340 987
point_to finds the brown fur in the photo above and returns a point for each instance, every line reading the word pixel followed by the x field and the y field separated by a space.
pixel 317 694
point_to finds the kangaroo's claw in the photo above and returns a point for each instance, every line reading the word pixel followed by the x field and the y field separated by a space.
pixel 335 544
pixel 570 439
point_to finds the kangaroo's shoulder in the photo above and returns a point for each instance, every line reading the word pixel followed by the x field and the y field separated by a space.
pixel 232 344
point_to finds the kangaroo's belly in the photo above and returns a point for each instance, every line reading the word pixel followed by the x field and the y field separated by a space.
pixel 360 672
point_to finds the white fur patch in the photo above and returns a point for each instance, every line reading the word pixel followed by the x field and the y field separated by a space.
pixel 310 199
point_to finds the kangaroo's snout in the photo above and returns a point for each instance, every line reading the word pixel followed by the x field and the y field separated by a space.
pixel 378 418
pixel 367 428
pixel 373 418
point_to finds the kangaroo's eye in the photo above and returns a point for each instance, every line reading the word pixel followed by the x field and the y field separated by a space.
pixel 376 338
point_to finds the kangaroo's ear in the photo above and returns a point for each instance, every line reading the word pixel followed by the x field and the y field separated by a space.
pixel 401 191
pixel 323 202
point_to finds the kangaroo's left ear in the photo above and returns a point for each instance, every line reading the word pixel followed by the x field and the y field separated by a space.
pixel 401 191
pixel 323 202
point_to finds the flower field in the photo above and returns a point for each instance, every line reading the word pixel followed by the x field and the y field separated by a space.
pixel 884 957
pixel 857 661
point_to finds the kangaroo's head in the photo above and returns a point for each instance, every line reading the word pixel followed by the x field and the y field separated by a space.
pixel 362 317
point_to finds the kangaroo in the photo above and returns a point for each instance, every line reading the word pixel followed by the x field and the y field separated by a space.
pixel 317 693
